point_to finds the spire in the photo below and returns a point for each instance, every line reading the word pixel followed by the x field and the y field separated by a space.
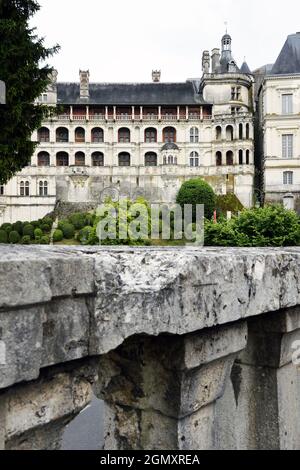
pixel 245 68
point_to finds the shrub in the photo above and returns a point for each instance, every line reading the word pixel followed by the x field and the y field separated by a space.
pixel 61 223
pixel 18 227
pixel 38 233
pixel 89 220
pixel 3 236
pixel 25 240
pixel 45 240
pixel 197 191
pixel 58 236
pixel 268 226
pixel 84 235
pixel 4 226
pixel 48 221
pixel 78 220
pixel 14 237
pixel 35 224
pixel 228 202
pixel 28 230
pixel 46 228
pixel 7 227
pixel 68 231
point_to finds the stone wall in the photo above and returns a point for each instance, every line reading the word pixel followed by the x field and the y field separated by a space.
pixel 189 348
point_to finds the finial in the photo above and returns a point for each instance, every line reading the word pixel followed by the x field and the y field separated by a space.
pixel 226 26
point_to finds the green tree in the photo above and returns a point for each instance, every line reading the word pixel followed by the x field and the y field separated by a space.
pixel 197 191
pixel 21 52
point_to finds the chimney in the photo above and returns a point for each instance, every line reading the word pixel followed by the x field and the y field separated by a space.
pixel 156 75
pixel 215 60
pixel 206 62
pixel 84 83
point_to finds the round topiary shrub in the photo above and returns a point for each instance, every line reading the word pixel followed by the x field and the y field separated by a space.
pixel 18 227
pixel 61 223
pixel 45 240
pixel 8 228
pixel 28 230
pixel 35 224
pixel 3 236
pixel 46 228
pixel 14 237
pixel 38 233
pixel 197 191
pixel 78 220
pixel 89 220
pixel 68 231
pixel 47 221
pixel 58 236
pixel 26 240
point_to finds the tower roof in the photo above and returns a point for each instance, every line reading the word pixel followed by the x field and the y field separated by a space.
pixel 245 68
pixel 288 61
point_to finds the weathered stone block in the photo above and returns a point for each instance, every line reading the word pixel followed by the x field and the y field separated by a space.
pixel 65 331
pixel 22 334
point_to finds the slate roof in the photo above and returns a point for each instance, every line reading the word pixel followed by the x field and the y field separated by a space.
pixel 245 68
pixel 132 94
pixel 288 61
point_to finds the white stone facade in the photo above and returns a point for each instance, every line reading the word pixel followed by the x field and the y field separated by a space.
pixel 211 136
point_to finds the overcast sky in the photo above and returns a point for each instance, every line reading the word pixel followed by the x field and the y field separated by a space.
pixel 123 40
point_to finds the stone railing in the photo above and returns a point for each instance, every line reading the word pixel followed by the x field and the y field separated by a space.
pixel 189 348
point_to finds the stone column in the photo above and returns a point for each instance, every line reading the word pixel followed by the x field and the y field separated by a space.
pixel 160 393
pixel 265 387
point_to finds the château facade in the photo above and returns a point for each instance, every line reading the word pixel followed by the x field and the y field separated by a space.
pixel 140 139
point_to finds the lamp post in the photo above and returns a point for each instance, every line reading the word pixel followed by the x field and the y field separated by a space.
pixel 2 93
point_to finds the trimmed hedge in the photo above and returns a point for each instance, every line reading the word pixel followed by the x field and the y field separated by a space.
pixel 38 233
pixel 46 228
pixel 45 240
pixel 68 230
pixel 58 236
pixel 28 230
pixel 3 236
pixel 78 220
pixel 84 234
pixel 26 240
pixel 228 202
pixel 197 191
pixel 18 227
pixel 14 237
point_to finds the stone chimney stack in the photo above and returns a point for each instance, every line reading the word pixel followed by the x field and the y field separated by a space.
pixel 215 60
pixel 84 83
pixel 206 62
pixel 156 76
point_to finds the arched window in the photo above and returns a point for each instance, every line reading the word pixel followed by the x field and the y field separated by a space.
pixel 79 135
pixel 24 188
pixel 124 135
pixel 151 159
pixel 62 159
pixel 97 135
pixel 171 160
pixel 218 133
pixel 124 159
pixel 194 135
pixel 194 159
pixel 247 131
pixel 229 133
pixel 62 135
pixel 43 159
pixel 43 188
pixel 229 158
pixel 219 158
pixel 240 131
pixel 79 159
pixel 97 159
pixel 169 135
pixel 150 135
pixel 43 134
pixel 241 157
pixel 247 157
